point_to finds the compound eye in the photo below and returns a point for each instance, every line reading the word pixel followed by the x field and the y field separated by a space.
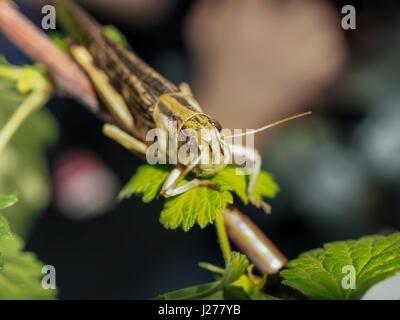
pixel 216 124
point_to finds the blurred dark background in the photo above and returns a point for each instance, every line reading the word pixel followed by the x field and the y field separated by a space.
pixel 249 65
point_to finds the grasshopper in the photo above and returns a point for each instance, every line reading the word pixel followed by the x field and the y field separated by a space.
pixel 140 99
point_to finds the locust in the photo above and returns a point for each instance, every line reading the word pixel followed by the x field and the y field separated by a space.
pixel 139 99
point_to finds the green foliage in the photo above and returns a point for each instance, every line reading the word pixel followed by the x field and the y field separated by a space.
pixel 71 24
pixel 20 272
pixel 58 40
pixel 114 34
pixel 7 200
pixel 206 291
pixel 22 165
pixel 199 204
pixel 110 31
pixel 233 285
pixel 147 181
pixel 66 17
pixel 4 228
pixel 234 179
pixel 196 205
pixel 318 273
pixel 235 292
pixel 246 285
pixel 234 268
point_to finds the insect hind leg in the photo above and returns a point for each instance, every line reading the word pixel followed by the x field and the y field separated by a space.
pixel 124 139
pixel 113 100
pixel 254 156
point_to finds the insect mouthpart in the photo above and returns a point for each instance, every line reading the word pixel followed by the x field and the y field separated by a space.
pixel 200 139
pixel 214 153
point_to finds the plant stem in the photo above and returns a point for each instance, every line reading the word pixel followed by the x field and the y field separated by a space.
pixel 212 268
pixel 222 236
pixel 34 101
pixel 65 72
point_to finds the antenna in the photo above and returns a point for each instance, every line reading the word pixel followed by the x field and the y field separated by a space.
pixel 274 124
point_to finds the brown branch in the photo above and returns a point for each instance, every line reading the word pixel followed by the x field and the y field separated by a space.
pixel 72 80
pixel 34 42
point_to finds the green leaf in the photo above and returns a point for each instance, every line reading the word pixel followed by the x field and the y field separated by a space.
pixel 233 285
pixel 111 32
pixel 319 273
pixel 252 286
pixel 59 41
pixel 202 291
pixel 257 295
pixel 199 204
pixel 22 163
pixel 70 23
pixel 235 179
pixel 233 292
pixel 5 232
pixel 20 272
pixel 7 200
pixel 116 35
pixel 213 290
pixel 265 187
pixel 147 181
pixel 234 268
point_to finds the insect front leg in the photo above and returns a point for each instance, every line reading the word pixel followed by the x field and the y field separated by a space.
pixel 254 156
pixel 170 189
